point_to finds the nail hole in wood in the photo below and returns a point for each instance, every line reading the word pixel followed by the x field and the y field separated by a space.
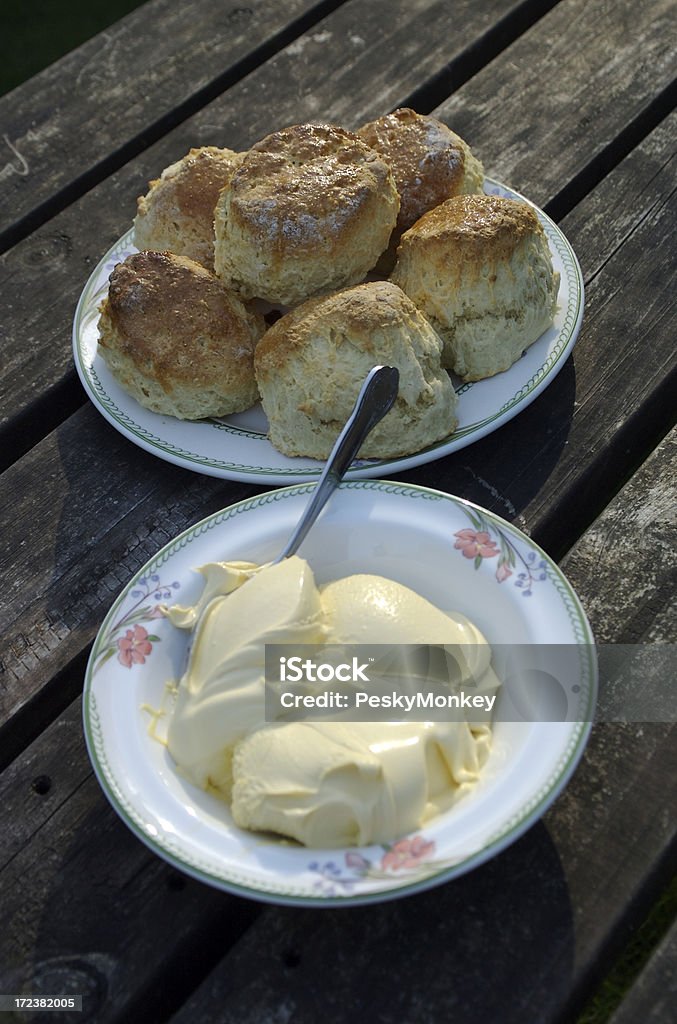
pixel 42 784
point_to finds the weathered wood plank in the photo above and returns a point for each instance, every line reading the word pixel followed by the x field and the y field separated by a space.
pixel 634 539
pixel 653 996
pixel 343 69
pixel 105 100
pixel 86 908
pixel 95 528
pixel 612 74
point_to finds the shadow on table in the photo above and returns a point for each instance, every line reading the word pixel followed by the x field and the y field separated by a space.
pixel 505 470
pixel 494 945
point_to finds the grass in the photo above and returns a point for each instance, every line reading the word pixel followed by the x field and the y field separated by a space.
pixel 633 958
pixel 33 35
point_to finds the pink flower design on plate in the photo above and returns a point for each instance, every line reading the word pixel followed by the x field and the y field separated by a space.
pixel 134 647
pixel 502 572
pixel 407 853
pixel 356 862
pixel 475 544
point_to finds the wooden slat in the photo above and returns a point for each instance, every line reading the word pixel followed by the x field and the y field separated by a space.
pixel 653 996
pixel 635 540
pixel 91 530
pixel 86 909
pixel 343 68
pixel 551 127
pixel 93 108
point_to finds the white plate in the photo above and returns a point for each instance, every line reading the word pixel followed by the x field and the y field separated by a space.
pixel 237 448
pixel 507 585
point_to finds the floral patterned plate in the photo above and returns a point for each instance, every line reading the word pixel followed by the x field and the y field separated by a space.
pixel 455 554
pixel 237 447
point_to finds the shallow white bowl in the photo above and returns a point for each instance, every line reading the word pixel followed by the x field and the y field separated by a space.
pixel 509 588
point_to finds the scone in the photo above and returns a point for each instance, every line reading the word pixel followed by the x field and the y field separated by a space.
pixel 177 214
pixel 311 364
pixel 176 339
pixel 309 210
pixel 480 269
pixel 430 163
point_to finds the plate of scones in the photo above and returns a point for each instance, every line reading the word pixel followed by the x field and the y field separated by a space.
pixel 230 329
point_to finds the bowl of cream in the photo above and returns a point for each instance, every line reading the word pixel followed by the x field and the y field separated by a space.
pixel 333 785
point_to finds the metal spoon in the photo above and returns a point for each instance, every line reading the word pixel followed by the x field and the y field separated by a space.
pixel 377 396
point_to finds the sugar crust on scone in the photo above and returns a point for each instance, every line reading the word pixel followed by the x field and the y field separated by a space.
pixel 309 210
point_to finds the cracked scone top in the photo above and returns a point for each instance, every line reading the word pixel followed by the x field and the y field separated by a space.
pixel 480 269
pixel 309 209
pixel 311 364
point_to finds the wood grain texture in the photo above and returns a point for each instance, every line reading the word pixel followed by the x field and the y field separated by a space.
pixel 554 123
pixel 86 908
pixel 80 536
pixel 119 89
pixel 634 538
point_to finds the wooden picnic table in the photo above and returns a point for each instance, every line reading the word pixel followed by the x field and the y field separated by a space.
pixel 571 104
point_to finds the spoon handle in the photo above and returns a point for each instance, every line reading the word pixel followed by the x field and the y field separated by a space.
pixel 377 395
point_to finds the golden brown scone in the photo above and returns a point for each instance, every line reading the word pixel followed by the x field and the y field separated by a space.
pixel 480 269
pixel 309 210
pixel 176 339
pixel 177 214
pixel 311 364
pixel 430 163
